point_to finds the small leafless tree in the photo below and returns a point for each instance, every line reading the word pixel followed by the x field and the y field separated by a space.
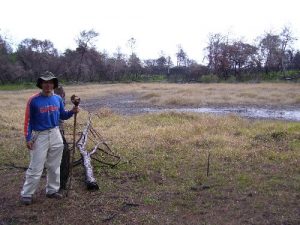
pixel 85 41
pixel 131 43
pixel 181 56
pixel 287 39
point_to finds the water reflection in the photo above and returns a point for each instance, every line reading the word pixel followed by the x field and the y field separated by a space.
pixel 251 112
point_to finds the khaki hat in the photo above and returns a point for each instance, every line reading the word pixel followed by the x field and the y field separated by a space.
pixel 46 77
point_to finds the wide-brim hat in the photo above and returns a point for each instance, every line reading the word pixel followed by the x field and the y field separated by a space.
pixel 46 77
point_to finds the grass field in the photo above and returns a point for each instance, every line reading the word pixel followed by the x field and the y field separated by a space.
pixel 273 94
pixel 254 175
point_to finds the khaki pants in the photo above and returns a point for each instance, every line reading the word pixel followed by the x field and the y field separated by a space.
pixel 47 151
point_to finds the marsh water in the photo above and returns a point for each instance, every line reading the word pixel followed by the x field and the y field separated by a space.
pixel 248 112
pixel 130 104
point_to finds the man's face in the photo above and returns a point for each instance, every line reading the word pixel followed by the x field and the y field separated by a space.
pixel 47 86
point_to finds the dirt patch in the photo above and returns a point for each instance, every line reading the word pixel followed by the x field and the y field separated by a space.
pixel 124 104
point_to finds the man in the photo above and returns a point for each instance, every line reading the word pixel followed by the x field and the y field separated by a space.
pixel 43 138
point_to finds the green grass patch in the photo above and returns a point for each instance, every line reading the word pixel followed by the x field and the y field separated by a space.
pixel 244 180
pixel 16 87
pixel 294 144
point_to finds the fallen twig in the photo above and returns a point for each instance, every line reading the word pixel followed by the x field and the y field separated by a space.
pixel 13 166
pixel 124 207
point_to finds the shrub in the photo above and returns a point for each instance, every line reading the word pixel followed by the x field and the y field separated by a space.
pixel 209 78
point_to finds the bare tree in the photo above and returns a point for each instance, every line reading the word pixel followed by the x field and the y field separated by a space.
pixel 85 41
pixel 169 64
pixel 213 51
pixel 181 56
pixel 119 66
pixel 287 40
pixel 131 43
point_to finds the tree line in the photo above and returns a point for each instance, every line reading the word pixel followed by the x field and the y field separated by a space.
pixel 226 58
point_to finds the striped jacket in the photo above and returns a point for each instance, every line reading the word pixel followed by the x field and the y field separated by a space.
pixel 43 113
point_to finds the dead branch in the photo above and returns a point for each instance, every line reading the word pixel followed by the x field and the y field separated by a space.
pixel 101 153
pixel 90 180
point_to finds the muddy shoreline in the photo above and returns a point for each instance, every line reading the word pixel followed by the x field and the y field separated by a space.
pixel 131 104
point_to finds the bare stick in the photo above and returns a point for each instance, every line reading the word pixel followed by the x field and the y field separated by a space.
pixel 208 163
pixel 75 100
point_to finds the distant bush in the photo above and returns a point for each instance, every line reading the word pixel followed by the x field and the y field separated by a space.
pixel 142 78
pixel 17 86
pixel 231 79
pixel 271 76
pixel 209 79
pixel 278 75
pixel 153 78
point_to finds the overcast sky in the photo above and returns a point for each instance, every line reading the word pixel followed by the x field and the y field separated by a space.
pixel 157 25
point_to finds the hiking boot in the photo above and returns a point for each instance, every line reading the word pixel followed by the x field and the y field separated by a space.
pixel 55 195
pixel 26 200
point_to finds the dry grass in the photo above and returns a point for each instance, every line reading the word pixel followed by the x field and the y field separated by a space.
pixel 272 94
pixel 254 174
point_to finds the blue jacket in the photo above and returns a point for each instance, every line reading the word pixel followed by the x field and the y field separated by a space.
pixel 43 113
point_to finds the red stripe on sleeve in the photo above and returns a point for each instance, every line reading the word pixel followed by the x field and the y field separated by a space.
pixel 27 115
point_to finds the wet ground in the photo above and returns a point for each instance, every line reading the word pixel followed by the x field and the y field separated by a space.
pixel 130 104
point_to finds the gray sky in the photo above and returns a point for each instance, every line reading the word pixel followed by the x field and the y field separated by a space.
pixel 157 25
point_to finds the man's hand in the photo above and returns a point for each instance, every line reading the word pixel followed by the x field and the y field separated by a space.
pixel 75 109
pixel 29 145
